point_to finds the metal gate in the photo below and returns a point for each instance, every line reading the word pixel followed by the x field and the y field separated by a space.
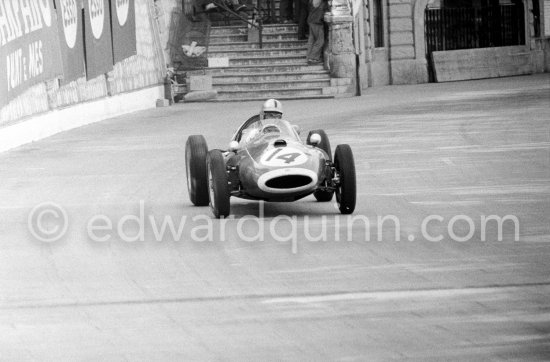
pixel 466 28
pixel 473 27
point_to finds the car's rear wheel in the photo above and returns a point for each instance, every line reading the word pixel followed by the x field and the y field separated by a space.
pixel 324 144
pixel 195 167
pixel 346 190
pixel 218 188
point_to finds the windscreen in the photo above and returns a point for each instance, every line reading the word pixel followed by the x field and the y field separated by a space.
pixel 267 129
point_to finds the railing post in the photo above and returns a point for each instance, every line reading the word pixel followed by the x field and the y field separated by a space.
pixel 260 32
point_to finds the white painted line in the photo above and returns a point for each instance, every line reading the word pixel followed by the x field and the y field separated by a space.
pixel 314 270
pixel 406 294
pixel 457 203
pixel 500 148
pixel 399 170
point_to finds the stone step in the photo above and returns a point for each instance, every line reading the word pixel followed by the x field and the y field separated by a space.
pixel 270 76
pixel 228 38
pixel 243 29
pixel 280 97
pixel 234 21
pixel 267 85
pixel 220 39
pixel 265 45
pixel 271 93
pixel 228 30
pixel 277 70
pixel 256 53
pixel 268 60
pixel 265 68
pixel 224 19
pixel 216 23
pixel 280 28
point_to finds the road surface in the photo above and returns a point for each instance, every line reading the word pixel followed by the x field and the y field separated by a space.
pixel 419 272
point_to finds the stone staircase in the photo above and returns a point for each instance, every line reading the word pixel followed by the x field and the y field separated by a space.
pixel 278 70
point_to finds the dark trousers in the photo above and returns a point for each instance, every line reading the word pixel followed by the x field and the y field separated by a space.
pixel 285 9
pixel 301 18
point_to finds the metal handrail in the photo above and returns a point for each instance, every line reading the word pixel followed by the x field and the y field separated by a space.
pixel 256 10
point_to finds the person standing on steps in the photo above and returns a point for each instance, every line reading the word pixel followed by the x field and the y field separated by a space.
pixel 317 9
pixel 285 11
pixel 300 16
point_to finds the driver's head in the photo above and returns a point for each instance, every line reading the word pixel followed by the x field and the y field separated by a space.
pixel 271 108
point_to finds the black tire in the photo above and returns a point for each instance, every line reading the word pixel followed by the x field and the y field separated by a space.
pixel 218 187
pixel 324 144
pixel 195 167
pixel 322 196
pixel 346 191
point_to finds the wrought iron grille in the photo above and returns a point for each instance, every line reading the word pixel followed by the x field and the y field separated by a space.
pixel 467 28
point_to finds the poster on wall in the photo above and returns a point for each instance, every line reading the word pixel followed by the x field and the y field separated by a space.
pixel 29 46
pixel 97 38
pixel 69 14
pixel 123 25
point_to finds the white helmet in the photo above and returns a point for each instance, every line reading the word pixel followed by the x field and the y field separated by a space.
pixel 270 108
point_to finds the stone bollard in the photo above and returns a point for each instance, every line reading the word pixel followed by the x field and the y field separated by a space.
pixel 340 52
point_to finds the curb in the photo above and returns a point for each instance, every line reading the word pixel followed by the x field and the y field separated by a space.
pixel 56 121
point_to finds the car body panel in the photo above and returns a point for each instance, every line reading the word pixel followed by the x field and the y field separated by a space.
pixel 275 166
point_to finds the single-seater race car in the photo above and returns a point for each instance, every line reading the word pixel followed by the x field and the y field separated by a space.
pixel 267 160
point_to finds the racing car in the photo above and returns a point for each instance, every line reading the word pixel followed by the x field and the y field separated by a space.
pixel 267 160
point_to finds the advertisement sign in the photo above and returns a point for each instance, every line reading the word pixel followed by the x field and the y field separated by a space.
pixel 29 46
pixel 123 24
pixel 71 39
pixel 97 38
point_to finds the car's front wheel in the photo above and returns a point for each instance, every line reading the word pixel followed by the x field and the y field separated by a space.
pixel 195 167
pixel 218 188
pixel 346 190
pixel 322 195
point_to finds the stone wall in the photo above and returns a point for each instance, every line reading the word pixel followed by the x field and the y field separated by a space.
pixel 405 68
pixel 540 47
pixel 465 64
pixel 144 69
pixel 399 61
pixel 405 49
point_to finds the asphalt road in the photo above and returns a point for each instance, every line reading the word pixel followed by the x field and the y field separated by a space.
pixel 300 282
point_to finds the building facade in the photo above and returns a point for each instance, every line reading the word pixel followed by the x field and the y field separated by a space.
pixel 418 41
